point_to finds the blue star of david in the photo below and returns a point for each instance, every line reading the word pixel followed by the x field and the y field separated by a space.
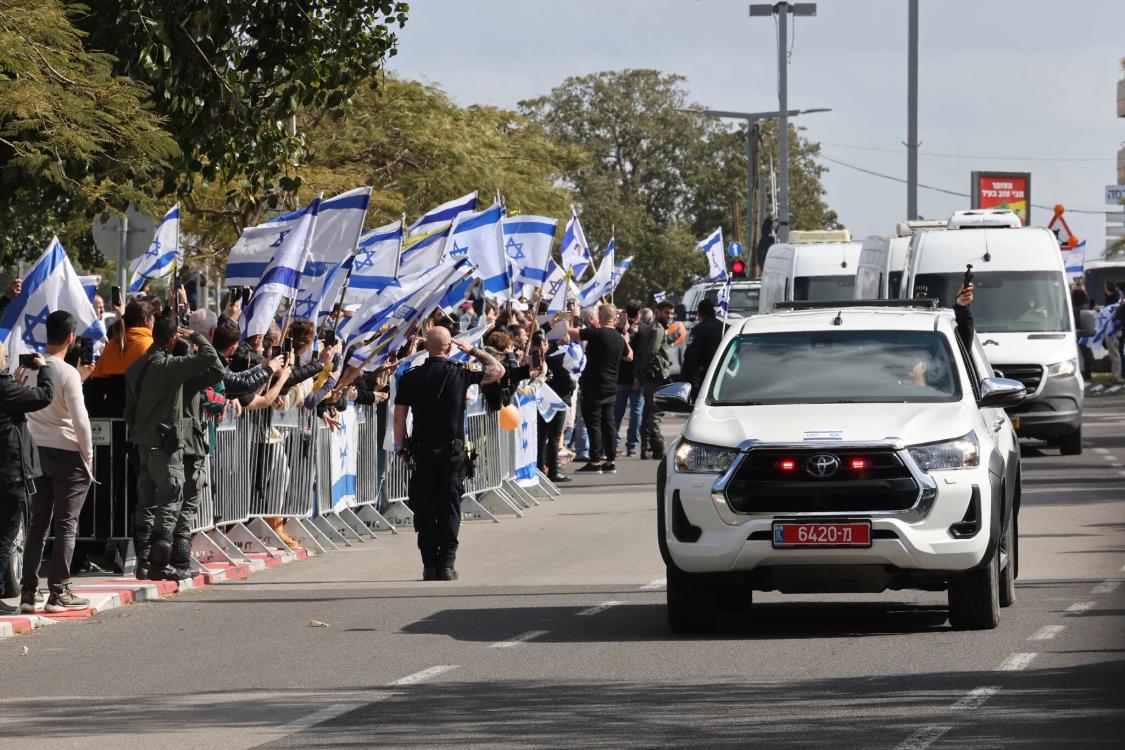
pixel 304 307
pixel 515 249
pixel 458 250
pixel 280 238
pixel 363 260
pixel 556 285
pixel 30 323
pixel 154 249
pixel 524 444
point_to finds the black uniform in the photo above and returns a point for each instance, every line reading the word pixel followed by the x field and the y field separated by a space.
pixel 704 341
pixel 435 393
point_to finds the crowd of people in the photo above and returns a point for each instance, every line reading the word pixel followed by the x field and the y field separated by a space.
pixel 1114 341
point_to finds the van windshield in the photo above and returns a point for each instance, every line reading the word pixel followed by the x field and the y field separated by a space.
pixel 825 367
pixel 743 300
pixel 820 288
pixel 1005 301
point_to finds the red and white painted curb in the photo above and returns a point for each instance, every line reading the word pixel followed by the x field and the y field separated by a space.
pixel 118 591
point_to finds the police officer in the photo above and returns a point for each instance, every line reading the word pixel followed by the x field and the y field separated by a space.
pixel 155 416
pixel 435 394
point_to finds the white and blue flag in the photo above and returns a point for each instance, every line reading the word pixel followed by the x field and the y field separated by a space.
pixel 659 297
pixel 1076 259
pixel 90 284
pixel 51 284
pixel 471 337
pixel 724 301
pixel 712 247
pixel 574 358
pixel 422 252
pixel 619 269
pixel 443 214
pixel 527 241
pixel 1107 325
pixel 575 248
pixel 553 284
pixel 377 310
pixel 282 276
pixel 162 255
pixel 602 282
pixel 480 238
pixel 376 261
pixel 549 403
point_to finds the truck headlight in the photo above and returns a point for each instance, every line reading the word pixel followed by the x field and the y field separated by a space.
pixel 962 453
pixel 1062 369
pixel 693 458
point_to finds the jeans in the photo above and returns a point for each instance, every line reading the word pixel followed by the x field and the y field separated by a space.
pixel 13 500
pixel 61 494
pixel 580 436
pixel 632 399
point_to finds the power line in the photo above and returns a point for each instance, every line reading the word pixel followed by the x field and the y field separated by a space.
pixel 971 156
pixel 947 191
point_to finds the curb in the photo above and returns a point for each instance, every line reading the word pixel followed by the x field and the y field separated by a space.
pixel 118 591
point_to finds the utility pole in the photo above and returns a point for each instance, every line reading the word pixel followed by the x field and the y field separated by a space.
pixel 782 11
pixel 912 111
pixel 123 255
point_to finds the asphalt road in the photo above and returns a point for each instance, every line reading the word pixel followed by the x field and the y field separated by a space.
pixel 555 637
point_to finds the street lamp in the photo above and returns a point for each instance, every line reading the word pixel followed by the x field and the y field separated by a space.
pixel 782 11
pixel 754 211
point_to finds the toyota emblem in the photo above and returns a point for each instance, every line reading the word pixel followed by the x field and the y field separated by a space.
pixel 822 465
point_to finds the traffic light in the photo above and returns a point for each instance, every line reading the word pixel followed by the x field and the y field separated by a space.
pixel 738 268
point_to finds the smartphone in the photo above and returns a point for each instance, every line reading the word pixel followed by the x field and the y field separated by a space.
pixel 287 346
pixel 330 338
pixel 246 292
pixel 968 275
pixel 232 293
pixel 536 358
pixel 86 350
pixel 275 352
pixel 28 361
pixel 115 296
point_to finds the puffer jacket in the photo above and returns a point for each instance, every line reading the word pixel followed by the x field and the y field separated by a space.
pixel 19 458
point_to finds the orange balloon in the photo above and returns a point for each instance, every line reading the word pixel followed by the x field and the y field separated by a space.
pixel 1072 241
pixel 677 332
pixel 509 417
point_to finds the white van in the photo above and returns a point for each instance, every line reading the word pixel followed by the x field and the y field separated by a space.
pixel 1021 309
pixel 817 271
pixel 882 261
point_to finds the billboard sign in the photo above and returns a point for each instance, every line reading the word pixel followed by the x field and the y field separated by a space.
pixel 1011 190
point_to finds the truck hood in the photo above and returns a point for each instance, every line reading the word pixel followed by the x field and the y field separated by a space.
pixel 797 423
pixel 1021 349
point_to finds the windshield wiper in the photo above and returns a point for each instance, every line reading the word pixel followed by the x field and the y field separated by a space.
pixel 739 403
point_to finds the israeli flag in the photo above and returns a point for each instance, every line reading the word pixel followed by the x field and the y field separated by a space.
pixel 376 261
pixel 443 214
pixel 712 247
pixel 527 241
pixel 52 284
pixel 1107 325
pixel 472 338
pixel 619 270
pixel 724 300
pixel 1076 259
pixel 561 288
pixel 659 297
pixel 282 276
pixel 90 284
pixel 162 255
pixel 338 227
pixel 553 283
pixel 574 358
pixel 378 308
pixel 575 248
pixel 422 252
pixel 600 285
pixel 480 238
pixel 548 402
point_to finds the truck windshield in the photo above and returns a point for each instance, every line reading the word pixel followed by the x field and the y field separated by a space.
pixel 820 288
pixel 743 300
pixel 1005 301
pixel 824 367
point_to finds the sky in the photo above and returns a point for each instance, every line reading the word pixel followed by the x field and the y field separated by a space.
pixel 1011 85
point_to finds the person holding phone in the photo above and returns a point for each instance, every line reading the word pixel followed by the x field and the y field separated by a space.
pixel 19 460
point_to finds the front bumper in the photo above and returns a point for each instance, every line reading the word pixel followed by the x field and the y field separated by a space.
pixel 1055 409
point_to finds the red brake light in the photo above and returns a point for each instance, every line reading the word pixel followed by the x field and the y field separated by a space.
pixel 787 464
pixel 859 464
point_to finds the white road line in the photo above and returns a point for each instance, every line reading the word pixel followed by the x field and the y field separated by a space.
pixel 1078 608
pixel 521 638
pixel 319 717
pixel 976 697
pixel 596 609
pixel 1105 587
pixel 422 676
pixel 923 738
pixel 1101 450
pixel 1109 457
pixel 1123 569
pixel 1072 488
pixel 653 585
pixel 1016 662
pixel 1046 633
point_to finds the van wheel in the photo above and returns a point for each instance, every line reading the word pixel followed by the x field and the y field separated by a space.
pixel 1071 443
pixel 691 602
pixel 974 598
pixel 1009 546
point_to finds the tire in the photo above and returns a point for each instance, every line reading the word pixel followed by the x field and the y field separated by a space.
pixel 15 564
pixel 691 602
pixel 974 598
pixel 1071 443
pixel 1010 546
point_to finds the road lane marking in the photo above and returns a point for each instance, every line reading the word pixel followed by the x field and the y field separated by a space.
pixel 1101 450
pixel 653 585
pixel 596 609
pixel 1046 633
pixel 1105 587
pixel 1072 488
pixel 521 638
pixel 328 713
pixel 923 738
pixel 1016 662
pixel 425 674
pixel 976 697
pixel 1109 457
pixel 1078 608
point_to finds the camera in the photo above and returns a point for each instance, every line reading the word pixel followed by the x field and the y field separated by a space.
pixel 28 361
pixel 968 275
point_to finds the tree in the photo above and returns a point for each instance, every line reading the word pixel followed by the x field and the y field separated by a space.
pixel 74 138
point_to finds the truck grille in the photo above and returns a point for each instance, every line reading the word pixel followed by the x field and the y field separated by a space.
pixel 779 480
pixel 1029 375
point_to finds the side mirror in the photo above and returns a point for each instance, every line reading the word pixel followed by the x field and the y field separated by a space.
pixel 681 311
pixel 1001 393
pixel 674 397
pixel 1087 323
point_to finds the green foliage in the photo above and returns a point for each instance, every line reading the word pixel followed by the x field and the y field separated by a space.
pixel 74 138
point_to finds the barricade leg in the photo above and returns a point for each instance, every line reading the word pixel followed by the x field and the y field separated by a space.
pixel 516 489
pixel 205 550
pixel 373 519
pixel 352 519
pixel 229 548
pixel 341 526
pixel 329 530
pixel 257 537
pixel 550 489
pixel 399 514
pixel 310 537
pixel 486 506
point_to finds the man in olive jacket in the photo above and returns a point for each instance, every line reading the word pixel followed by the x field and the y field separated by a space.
pixel 162 429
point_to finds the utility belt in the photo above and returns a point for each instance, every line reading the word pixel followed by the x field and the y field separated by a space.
pixel 427 452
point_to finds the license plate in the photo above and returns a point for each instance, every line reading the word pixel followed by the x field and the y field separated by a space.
pixel 843 534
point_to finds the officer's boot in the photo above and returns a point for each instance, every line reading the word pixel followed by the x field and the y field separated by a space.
pixel 181 559
pixel 159 556
pixel 429 564
pixel 446 558
pixel 140 550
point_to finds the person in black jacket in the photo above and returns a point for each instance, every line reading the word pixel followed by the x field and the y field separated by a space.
pixel 19 459
pixel 704 341
pixel 562 383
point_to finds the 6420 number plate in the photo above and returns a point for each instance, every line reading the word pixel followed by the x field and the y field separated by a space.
pixel 818 534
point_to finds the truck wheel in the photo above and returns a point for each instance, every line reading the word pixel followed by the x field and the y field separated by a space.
pixel 1071 443
pixel 974 598
pixel 1009 546
pixel 691 602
